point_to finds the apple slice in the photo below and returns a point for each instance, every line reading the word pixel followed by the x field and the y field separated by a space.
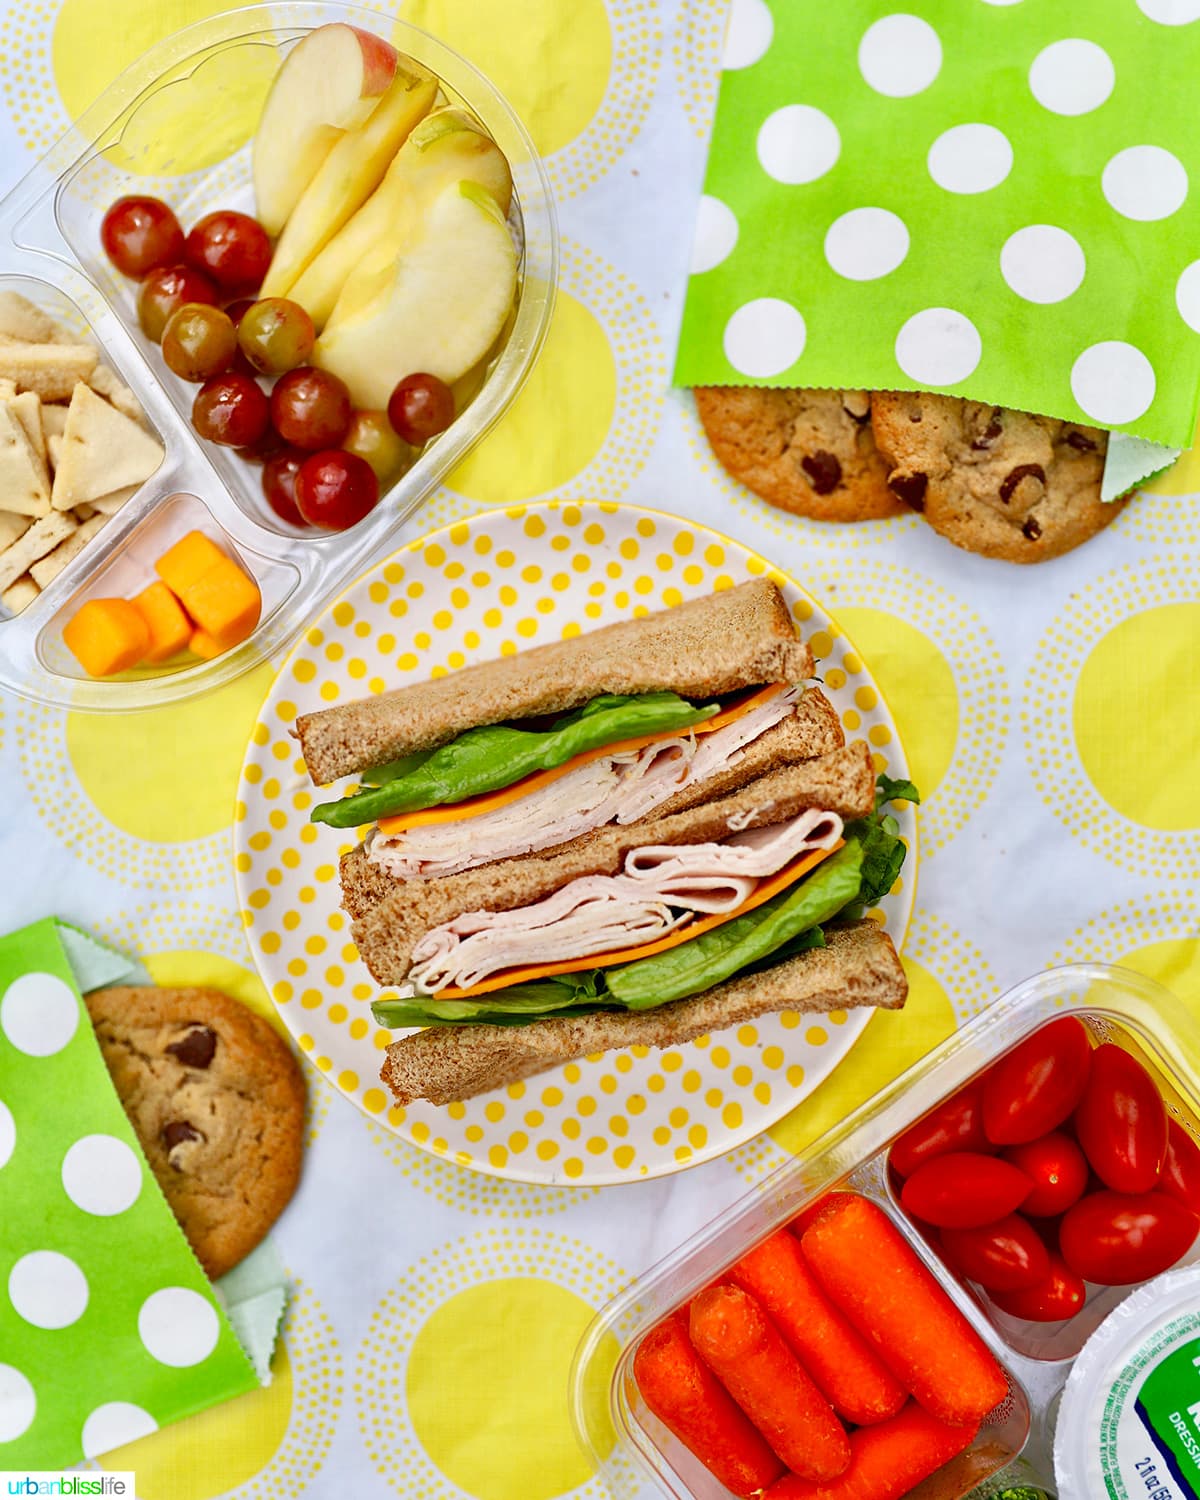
pixel 447 146
pixel 349 175
pixel 329 83
pixel 442 308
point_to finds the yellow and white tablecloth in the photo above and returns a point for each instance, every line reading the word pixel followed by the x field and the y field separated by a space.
pixel 1051 716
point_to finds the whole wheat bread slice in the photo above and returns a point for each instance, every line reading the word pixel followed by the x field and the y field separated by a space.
pixel 386 933
pixel 813 730
pixel 738 638
pixel 858 966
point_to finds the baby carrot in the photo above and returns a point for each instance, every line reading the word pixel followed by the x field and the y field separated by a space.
pixel 886 1461
pixel 687 1397
pixel 843 1368
pixel 746 1352
pixel 874 1279
pixel 825 1204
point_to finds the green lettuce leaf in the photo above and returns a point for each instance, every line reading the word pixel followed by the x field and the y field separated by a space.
pixel 496 755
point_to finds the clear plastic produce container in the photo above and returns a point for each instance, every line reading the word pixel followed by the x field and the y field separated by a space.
pixel 635 1453
pixel 211 78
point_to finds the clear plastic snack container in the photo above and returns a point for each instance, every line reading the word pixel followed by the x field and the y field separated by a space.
pixel 205 86
pixel 636 1454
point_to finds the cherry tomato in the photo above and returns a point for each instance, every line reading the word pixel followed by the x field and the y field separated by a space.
pixel 140 233
pixel 372 437
pixel 1036 1086
pixel 335 489
pixel 279 484
pixel 276 335
pixel 198 341
pixel 1006 1256
pixel 956 1124
pixel 1059 1295
pixel 311 408
pixel 1121 1122
pixel 232 410
pixel 1181 1171
pixel 1058 1170
pixel 1119 1238
pixel 420 407
pixel 232 248
pixel 964 1189
pixel 165 290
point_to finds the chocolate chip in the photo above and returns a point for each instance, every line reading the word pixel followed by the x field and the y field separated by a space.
pixel 1031 529
pixel 910 488
pixel 1015 476
pixel 195 1049
pixel 993 430
pixel 176 1132
pixel 1081 441
pixel 823 470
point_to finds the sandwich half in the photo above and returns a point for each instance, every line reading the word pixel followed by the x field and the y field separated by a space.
pixel 635 836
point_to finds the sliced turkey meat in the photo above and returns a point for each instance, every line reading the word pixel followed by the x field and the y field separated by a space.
pixel 660 889
pixel 618 788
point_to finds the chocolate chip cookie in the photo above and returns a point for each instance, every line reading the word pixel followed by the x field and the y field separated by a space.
pixel 810 452
pixel 217 1101
pixel 994 481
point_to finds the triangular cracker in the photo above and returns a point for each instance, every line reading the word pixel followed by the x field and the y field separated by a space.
pixel 23 486
pixel 105 383
pixel 21 320
pixel 27 408
pixel 102 451
pixel 52 370
pixel 47 568
pixel 54 420
pixel 42 537
pixel 109 505
pixel 11 527
pixel 54 444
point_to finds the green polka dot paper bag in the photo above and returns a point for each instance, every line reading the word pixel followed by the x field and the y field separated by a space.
pixel 997 199
pixel 108 1327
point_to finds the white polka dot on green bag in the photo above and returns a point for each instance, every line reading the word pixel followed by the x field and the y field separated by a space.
pixel 969 196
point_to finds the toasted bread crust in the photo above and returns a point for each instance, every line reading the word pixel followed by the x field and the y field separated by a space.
pixel 738 638
pixel 813 730
pixel 386 933
pixel 858 966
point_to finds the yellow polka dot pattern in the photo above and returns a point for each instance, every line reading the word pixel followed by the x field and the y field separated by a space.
pixel 1069 719
pixel 476 589
pixel 496 1262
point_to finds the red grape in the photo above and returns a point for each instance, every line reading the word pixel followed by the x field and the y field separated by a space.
pixel 198 341
pixel 336 489
pixel 420 407
pixel 276 335
pixel 310 408
pixel 140 233
pixel 167 289
pixel 231 409
pixel 279 484
pixel 232 248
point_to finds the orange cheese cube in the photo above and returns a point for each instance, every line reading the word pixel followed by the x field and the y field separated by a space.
pixel 170 629
pixel 189 559
pixel 224 602
pixel 205 645
pixel 107 636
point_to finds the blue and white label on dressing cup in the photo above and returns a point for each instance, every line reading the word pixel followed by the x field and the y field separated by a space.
pixel 1129 1424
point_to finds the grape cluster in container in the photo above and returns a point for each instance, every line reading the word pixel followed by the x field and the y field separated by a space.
pixel 895 1312
pixel 307 313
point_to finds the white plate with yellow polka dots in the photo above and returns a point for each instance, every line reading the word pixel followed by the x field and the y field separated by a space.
pixel 469 592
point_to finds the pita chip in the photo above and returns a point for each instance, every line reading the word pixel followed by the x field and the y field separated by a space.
pixel 47 568
pixel 42 537
pixel 19 594
pixel 102 451
pixel 23 486
pixel 52 370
